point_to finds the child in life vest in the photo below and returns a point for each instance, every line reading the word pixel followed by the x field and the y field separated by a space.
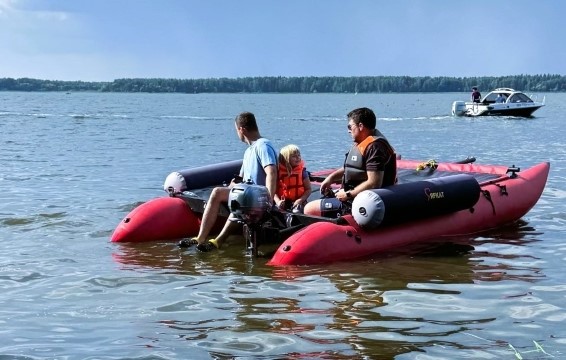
pixel 293 183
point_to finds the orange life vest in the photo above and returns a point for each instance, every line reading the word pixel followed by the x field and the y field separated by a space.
pixel 290 187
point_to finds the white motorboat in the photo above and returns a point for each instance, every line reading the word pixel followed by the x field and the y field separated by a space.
pixel 501 101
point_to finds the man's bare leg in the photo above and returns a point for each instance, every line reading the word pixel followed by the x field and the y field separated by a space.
pixel 210 215
pixel 229 228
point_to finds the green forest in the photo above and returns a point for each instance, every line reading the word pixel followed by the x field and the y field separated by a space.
pixel 281 84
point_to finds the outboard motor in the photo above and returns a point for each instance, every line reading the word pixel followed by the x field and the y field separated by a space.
pixel 458 108
pixel 249 202
pixel 415 200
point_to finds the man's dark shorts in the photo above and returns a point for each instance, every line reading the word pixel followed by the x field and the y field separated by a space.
pixel 333 208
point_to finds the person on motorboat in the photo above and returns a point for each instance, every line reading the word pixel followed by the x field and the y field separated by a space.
pixel 293 186
pixel 259 165
pixel 500 99
pixel 370 164
pixel 476 95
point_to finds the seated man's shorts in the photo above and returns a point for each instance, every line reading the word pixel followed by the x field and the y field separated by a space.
pixel 332 207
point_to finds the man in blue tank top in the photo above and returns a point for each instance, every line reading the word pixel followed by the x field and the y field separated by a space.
pixel 259 165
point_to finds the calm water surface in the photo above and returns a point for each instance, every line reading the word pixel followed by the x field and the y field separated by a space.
pixel 73 165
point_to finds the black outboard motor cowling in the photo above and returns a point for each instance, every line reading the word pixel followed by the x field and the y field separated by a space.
pixel 249 202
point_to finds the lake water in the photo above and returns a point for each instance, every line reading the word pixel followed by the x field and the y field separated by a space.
pixel 73 165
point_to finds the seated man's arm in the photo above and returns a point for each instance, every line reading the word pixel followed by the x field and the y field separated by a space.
pixel 334 178
pixel 374 181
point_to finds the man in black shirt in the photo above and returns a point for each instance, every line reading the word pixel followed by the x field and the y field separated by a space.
pixel 370 164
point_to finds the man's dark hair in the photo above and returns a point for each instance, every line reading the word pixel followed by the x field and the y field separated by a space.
pixel 247 121
pixel 363 115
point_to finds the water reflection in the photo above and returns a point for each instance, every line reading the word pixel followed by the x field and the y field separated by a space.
pixel 340 310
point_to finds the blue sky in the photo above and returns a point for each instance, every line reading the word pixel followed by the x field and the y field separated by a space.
pixel 102 40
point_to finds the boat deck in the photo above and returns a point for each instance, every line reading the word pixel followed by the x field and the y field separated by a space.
pixel 411 175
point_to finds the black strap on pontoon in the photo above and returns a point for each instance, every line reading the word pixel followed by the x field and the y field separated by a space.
pixel 502 189
pixel 487 195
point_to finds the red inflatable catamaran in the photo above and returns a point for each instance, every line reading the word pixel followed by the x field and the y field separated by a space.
pixel 431 200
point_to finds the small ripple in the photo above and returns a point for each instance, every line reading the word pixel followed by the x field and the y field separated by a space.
pixel 23 278
pixel 555 193
pixel 258 343
pixel 16 221
pixel 554 288
pixel 540 311
pixel 127 281
pixel 53 215
pixel 129 207
pixel 43 220
pixel 180 306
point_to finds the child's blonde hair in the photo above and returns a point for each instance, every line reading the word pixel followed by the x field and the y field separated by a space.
pixel 285 154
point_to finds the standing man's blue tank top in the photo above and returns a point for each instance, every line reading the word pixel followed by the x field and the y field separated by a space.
pixel 258 155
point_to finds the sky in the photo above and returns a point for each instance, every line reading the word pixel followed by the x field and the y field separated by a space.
pixel 103 40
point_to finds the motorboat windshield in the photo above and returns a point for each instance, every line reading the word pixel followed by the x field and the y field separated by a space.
pixel 507 95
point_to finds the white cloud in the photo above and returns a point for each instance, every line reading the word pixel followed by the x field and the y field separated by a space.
pixel 14 10
pixel 6 6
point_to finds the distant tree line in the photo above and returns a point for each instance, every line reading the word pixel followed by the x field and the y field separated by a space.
pixel 310 84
